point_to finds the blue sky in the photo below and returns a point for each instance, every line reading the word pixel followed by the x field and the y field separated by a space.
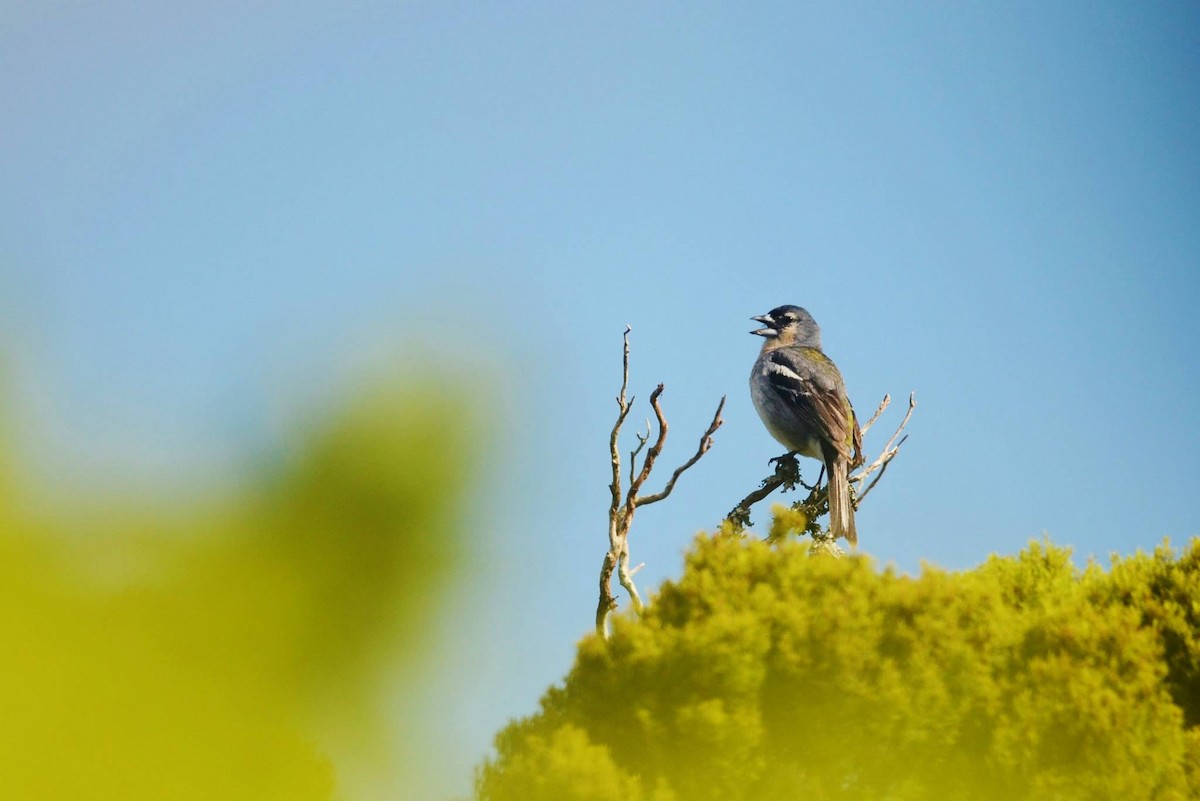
pixel 212 216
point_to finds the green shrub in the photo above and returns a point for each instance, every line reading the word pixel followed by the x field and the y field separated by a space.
pixel 766 674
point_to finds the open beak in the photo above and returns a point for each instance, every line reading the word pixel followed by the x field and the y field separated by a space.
pixel 769 322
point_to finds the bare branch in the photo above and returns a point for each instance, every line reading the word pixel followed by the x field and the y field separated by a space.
pixel 888 453
pixel 883 404
pixel 882 469
pixel 912 404
pixel 633 454
pixel 614 436
pixel 655 449
pixel 625 575
pixel 608 601
pixel 623 504
pixel 615 486
pixel 625 365
pixel 706 442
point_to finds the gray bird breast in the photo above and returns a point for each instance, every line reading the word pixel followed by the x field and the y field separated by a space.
pixel 780 418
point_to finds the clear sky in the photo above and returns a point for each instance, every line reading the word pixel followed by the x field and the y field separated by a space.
pixel 213 214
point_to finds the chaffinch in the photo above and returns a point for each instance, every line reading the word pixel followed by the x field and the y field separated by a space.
pixel 801 397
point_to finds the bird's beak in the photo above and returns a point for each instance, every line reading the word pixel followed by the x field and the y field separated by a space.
pixel 769 322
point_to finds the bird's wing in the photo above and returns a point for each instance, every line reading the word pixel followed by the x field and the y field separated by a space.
pixel 811 385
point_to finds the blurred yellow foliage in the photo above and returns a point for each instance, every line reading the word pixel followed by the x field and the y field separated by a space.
pixel 763 673
pixel 249 636
pixel 786 520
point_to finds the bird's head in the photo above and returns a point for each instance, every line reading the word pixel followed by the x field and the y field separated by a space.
pixel 788 325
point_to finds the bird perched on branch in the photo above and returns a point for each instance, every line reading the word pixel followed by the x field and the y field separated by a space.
pixel 801 397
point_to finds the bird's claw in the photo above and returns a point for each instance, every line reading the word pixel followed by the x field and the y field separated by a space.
pixel 789 456
pixel 787 470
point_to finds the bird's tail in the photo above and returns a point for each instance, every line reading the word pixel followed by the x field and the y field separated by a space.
pixel 841 509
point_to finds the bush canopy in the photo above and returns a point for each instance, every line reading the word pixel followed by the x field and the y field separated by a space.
pixel 767 673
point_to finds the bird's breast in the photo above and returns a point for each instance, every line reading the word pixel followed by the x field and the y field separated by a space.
pixel 780 419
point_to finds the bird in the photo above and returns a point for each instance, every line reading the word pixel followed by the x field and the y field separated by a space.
pixel 801 397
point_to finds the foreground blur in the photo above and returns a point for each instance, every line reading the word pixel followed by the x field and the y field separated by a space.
pixel 227 652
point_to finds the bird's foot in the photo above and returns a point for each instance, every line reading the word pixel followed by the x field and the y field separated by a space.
pixel 787 470
pixel 820 478
pixel 779 460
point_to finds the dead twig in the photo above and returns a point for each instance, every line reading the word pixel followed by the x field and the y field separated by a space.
pixel 633 454
pixel 706 442
pixel 623 504
pixel 885 457
pixel 883 404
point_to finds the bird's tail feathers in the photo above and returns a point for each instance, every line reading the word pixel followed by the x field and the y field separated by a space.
pixel 841 509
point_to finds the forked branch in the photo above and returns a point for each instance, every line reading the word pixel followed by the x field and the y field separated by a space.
pixel 623 504
pixel 890 449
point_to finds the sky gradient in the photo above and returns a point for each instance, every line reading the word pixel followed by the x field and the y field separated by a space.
pixel 214 217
